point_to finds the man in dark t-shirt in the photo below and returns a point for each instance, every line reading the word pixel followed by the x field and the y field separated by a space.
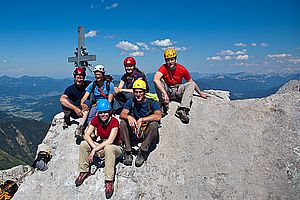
pixel 140 119
pixel 70 101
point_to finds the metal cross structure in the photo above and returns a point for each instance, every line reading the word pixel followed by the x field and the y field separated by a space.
pixel 81 54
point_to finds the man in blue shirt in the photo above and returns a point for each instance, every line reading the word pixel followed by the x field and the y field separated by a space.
pixel 101 88
pixel 140 117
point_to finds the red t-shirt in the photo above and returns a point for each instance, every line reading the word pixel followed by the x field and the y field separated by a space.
pixel 174 77
pixel 104 132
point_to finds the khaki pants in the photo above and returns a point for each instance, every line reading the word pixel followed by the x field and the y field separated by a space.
pixel 150 134
pixel 182 93
pixel 110 152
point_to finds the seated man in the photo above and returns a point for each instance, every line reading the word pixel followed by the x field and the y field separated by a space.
pixel 132 73
pixel 169 86
pixel 70 101
pixel 140 117
pixel 107 148
pixel 101 88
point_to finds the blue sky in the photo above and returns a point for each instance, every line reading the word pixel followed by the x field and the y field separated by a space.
pixel 36 37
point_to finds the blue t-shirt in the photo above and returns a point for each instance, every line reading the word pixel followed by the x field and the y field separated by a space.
pixel 141 110
pixel 97 93
pixel 75 93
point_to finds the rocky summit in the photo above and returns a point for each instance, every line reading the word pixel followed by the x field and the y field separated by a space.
pixel 244 149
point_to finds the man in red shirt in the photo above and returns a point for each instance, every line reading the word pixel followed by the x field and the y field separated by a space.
pixel 107 145
pixel 169 86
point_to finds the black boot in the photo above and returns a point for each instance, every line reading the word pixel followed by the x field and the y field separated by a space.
pixel 182 114
pixel 141 157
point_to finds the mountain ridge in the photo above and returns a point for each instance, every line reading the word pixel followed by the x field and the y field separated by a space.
pixel 243 149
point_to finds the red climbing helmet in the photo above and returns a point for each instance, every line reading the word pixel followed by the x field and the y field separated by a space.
pixel 129 61
pixel 79 71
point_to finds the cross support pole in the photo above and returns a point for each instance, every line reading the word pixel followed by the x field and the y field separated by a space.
pixel 81 55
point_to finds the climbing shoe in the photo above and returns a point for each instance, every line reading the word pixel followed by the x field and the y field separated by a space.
pixel 65 125
pixel 79 132
pixel 82 176
pixel 164 110
pixel 109 189
pixel 141 157
pixel 182 114
pixel 127 158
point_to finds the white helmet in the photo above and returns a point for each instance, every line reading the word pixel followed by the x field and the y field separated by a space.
pixel 99 68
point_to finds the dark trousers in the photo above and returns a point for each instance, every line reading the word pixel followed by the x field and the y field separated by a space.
pixel 150 134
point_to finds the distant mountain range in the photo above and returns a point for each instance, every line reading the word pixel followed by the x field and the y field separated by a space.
pixel 19 139
pixel 38 97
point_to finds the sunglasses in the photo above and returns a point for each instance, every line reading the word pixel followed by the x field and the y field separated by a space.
pixel 103 112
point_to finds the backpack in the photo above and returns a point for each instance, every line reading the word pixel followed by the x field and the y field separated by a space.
pixel 108 79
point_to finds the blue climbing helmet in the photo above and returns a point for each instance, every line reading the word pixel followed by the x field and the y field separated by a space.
pixel 103 105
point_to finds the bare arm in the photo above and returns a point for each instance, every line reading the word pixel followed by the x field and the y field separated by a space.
pixel 197 89
pixel 110 140
pixel 98 147
pixel 87 136
pixel 124 115
pixel 159 85
pixel 119 88
pixel 65 102
pixel 156 116
pixel 84 98
pixel 110 97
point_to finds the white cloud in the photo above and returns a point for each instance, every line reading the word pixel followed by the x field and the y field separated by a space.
pixel 143 45
pixel 241 52
pixel 162 43
pixel 240 44
pixel 227 57
pixel 242 57
pixel 283 55
pixel 127 46
pixel 214 58
pixel 92 33
pixel 253 44
pixel 137 53
pixel 180 48
pixel 5 61
pixel 230 52
pixel 226 52
pixel 264 44
pixel 109 37
pixel 114 5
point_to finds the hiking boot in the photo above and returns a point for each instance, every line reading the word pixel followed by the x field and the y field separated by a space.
pixel 67 119
pixel 82 176
pixel 79 132
pixel 164 110
pixel 109 189
pixel 141 157
pixel 127 158
pixel 65 125
pixel 182 114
